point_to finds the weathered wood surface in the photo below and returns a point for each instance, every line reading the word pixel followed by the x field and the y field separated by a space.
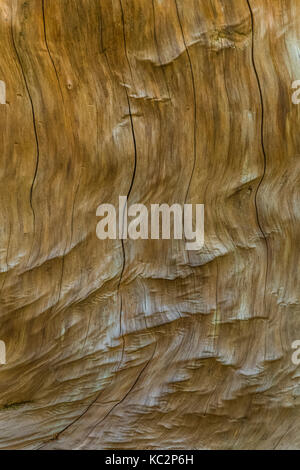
pixel 150 346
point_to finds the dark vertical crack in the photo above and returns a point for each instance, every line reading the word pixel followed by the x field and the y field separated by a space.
pixel 50 55
pixel 70 244
pixel 283 436
pixel 56 437
pixel 129 108
pixel 7 251
pixel 195 103
pixel 129 391
pixel 94 401
pixel 131 183
pixel 33 119
pixel 262 146
pixel 157 48
pixel 60 89
pixel 195 112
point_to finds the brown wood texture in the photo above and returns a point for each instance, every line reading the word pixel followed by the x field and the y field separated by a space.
pixel 143 345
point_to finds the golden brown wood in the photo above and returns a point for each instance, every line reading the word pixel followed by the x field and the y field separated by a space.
pixel 147 345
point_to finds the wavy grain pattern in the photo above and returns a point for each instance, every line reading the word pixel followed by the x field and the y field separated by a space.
pixel 141 344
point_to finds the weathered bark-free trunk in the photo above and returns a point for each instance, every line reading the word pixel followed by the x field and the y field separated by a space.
pixel 141 343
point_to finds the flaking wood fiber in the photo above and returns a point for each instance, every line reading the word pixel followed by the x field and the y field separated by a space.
pixel 141 344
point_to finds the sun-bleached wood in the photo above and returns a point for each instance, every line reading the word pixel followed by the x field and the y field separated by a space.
pixel 144 345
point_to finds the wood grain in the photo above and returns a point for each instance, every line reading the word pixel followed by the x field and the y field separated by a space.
pixel 141 344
